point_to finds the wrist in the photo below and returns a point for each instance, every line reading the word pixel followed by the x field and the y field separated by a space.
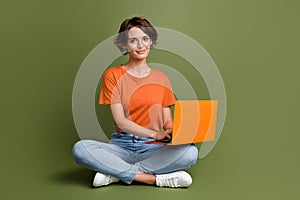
pixel 153 135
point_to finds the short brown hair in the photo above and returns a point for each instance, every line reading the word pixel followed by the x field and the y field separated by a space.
pixel 127 24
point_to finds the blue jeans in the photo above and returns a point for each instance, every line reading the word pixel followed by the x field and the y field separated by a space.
pixel 126 154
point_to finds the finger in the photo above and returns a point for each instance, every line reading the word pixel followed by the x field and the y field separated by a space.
pixel 168 135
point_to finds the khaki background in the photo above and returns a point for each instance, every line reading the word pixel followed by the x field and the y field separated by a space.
pixel 255 45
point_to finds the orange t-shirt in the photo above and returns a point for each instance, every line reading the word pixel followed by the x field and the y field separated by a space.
pixel 142 98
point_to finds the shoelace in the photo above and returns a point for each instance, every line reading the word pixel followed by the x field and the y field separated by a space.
pixel 171 181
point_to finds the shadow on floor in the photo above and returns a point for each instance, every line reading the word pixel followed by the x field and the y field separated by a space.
pixel 77 176
pixel 82 177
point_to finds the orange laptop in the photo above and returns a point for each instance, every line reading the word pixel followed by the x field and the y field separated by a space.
pixel 194 121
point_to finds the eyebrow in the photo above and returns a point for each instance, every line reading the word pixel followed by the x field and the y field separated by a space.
pixel 136 38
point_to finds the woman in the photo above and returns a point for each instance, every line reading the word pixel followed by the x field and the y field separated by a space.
pixel 139 99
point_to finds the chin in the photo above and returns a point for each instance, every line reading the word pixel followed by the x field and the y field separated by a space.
pixel 140 57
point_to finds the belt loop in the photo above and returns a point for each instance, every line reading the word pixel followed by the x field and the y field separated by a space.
pixel 134 139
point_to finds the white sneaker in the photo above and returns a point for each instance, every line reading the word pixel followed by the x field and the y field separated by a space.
pixel 102 179
pixel 175 179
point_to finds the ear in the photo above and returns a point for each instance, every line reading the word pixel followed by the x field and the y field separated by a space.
pixel 151 44
pixel 124 48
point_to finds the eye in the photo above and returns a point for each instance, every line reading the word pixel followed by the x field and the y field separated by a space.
pixel 132 41
pixel 146 38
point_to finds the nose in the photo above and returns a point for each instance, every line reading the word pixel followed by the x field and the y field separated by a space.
pixel 140 44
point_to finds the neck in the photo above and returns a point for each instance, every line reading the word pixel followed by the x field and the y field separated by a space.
pixel 137 68
pixel 133 63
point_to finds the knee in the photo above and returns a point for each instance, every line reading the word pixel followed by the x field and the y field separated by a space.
pixel 79 149
pixel 191 155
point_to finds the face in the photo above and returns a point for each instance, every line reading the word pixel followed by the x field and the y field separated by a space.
pixel 138 43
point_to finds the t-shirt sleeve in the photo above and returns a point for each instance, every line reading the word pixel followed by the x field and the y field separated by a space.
pixel 169 98
pixel 109 93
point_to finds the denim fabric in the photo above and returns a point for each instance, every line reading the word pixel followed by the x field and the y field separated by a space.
pixel 126 154
pixel 133 143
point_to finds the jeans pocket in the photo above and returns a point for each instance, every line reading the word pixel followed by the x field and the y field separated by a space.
pixel 116 135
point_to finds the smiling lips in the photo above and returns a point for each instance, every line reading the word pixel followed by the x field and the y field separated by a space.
pixel 140 52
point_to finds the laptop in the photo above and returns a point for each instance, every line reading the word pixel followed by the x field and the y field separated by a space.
pixel 194 121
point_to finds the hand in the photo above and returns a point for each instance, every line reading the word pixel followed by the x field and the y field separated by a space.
pixel 161 135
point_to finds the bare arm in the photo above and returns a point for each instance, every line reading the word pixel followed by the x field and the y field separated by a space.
pixel 131 127
pixel 167 118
